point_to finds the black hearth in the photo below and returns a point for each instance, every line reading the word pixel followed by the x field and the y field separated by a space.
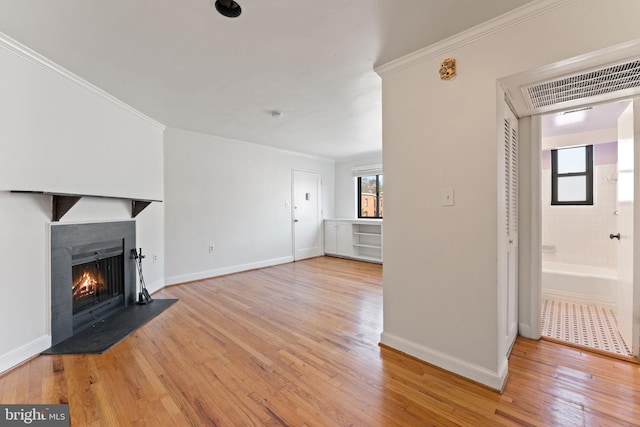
pixel 92 274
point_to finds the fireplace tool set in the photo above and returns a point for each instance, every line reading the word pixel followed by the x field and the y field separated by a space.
pixel 143 295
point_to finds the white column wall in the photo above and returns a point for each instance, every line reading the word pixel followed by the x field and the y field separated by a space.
pixel 440 275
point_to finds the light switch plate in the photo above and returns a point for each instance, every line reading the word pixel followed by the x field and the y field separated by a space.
pixel 447 196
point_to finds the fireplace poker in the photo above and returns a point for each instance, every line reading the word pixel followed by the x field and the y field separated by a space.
pixel 143 295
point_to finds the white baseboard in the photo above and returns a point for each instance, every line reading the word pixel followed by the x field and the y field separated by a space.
pixel 156 286
pixel 528 331
pixel 26 352
pixel 491 379
pixel 173 280
pixel 503 370
pixel 580 298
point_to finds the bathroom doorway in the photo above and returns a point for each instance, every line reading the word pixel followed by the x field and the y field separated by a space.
pixel 587 226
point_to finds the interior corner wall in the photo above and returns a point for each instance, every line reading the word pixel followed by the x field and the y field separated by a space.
pixel 58 135
pixel 346 201
pixel 235 196
pixel 440 271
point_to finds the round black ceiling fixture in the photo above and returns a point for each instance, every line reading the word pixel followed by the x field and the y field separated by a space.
pixel 228 8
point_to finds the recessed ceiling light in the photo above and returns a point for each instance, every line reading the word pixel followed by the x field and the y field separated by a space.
pixel 577 109
pixel 228 8
pixel 571 117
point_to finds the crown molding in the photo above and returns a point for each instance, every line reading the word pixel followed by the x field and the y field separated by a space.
pixel 46 64
pixel 500 23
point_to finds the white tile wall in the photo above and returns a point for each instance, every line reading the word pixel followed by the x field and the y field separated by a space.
pixel 581 233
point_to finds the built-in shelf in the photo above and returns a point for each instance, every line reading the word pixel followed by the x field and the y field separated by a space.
pixel 359 239
pixel 367 241
pixel 368 258
pixel 361 245
pixel 61 203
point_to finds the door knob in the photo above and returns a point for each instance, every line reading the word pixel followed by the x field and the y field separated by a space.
pixel 295 220
pixel 614 236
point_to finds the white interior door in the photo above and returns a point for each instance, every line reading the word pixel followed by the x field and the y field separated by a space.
pixel 307 215
pixel 625 295
pixel 510 224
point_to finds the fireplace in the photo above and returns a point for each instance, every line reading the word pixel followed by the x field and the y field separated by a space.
pixel 97 284
pixel 92 274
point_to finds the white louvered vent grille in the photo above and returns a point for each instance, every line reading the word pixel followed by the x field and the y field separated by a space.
pixel 511 178
pixel 514 183
pixel 507 175
pixel 593 83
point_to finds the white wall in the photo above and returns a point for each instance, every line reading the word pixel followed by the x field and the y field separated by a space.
pixel 60 134
pixel 440 275
pixel 346 202
pixel 234 195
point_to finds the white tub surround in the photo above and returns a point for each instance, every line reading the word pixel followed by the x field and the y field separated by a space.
pixel 580 234
pixel 583 284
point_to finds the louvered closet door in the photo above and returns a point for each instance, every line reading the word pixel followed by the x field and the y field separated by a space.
pixel 511 223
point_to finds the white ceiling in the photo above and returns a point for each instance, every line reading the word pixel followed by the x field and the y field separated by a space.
pixel 586 119
pixel 186 66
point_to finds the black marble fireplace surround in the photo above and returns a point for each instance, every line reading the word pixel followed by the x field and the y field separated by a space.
pixel 68 242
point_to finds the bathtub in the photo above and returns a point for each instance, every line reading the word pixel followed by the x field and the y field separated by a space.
pixel 580 283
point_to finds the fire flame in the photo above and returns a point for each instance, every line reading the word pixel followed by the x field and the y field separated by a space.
pixel 86 286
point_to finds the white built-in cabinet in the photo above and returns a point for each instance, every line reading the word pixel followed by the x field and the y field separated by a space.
pixel 358 239
pixel 337 236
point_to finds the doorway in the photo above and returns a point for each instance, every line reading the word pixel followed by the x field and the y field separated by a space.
pixel 591 79
pixel 585 262
pixel 306 214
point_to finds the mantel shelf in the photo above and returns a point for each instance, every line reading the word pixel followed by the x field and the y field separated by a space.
pixel 62 202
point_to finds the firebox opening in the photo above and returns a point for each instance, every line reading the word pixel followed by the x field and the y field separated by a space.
pixel 97 283
pixel 90 286
pixel 86 287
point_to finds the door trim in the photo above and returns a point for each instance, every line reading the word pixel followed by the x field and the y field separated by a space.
pixel 531 254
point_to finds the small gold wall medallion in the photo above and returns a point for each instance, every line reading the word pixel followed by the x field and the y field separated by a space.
pixel 448 69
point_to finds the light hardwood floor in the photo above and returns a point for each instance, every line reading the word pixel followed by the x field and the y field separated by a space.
pixel 297 345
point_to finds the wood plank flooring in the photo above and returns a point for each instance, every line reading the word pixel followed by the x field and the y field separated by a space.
pixel 297 345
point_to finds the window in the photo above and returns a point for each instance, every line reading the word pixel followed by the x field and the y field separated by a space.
pixel 572 176
pixel 370 196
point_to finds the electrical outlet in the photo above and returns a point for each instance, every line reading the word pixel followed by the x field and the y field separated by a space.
pixel 155 258
pixel 212 249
